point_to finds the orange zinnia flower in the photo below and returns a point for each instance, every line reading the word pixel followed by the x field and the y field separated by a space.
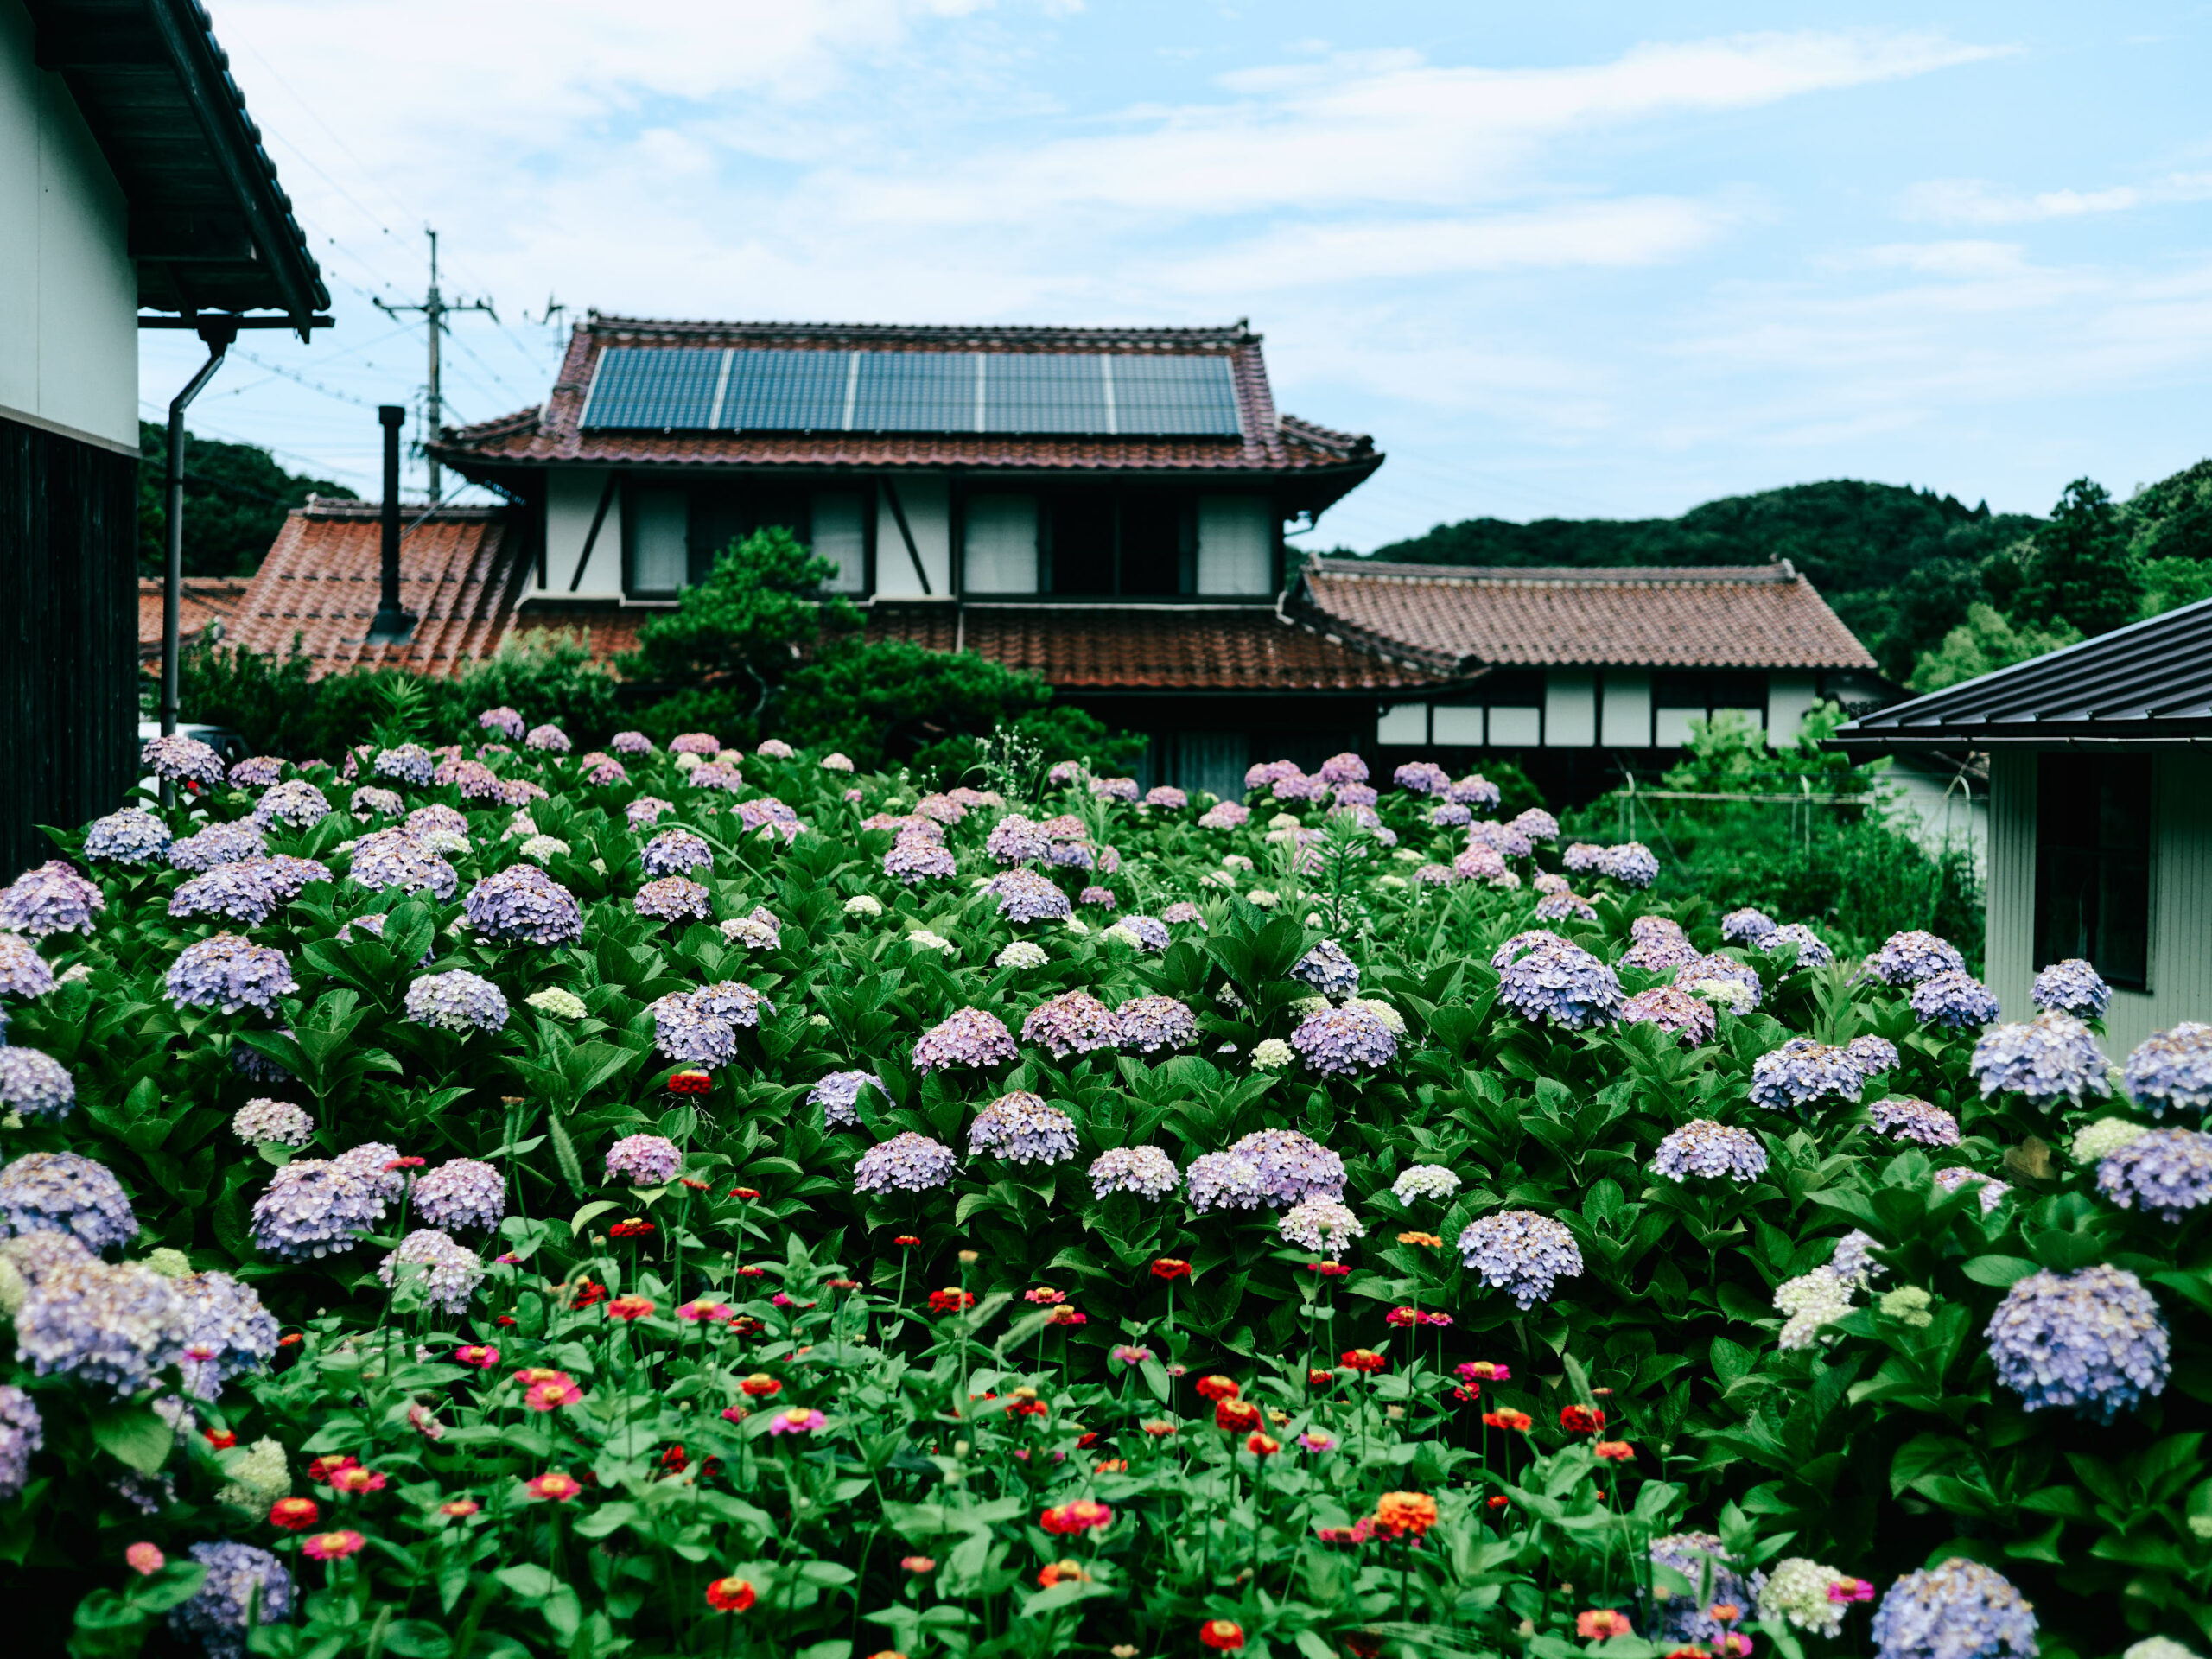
pixel 731 1595
pixel 1509 1419
pixel 1402 1513
pixel 629 1307
pixel 1618 1451
pixel 1601 1623
pixel 1063 1572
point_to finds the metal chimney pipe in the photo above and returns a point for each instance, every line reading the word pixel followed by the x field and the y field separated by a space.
pixel 393 625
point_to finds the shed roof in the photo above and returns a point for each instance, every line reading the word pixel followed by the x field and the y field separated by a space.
pixel 2150 682
pixel 1322 464
pixel 203 599
pixel 1696 617
pixel 211 228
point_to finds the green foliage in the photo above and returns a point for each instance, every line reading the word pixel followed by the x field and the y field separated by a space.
pixel 892 699
pixel 549 676
pixel 2082 573
pixel 272 704
pixel 1983 643
pixel 1054 733
pixel 757 611
pixel 235 498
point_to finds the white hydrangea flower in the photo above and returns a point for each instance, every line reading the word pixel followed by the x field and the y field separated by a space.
pixel 1075 924
pixel 1390 881
pixel 1730 994
pixel 1382 1010
pixel 1306 1006
pixel 1284 821
pixel 2100 1140
pixel 258 1477
pixel 1217 878
pixel 862 903
pixel 2163 1647
pixel 922 939
pixel 1271 1055
pixel 1235 861
pixel 1420 1181
pixel 1318 1224
pixel 1797 1590
pixel 561 1005
pixel 538 849
pixel 1122 936
pixel 1407 855
pixel 1810 1300
pixel 688 761
pixel 1265 898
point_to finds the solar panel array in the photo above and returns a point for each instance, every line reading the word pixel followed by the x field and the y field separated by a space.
pixel 1095 394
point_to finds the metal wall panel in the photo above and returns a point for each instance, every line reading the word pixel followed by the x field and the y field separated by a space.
pixel 2008 951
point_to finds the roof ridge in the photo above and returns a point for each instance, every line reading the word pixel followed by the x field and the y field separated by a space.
pixel 1612 575
pixel 1238 333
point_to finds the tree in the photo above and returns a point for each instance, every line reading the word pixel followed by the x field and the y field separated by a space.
pixel 235 499
pixel 2082 573
pixel 888 700
pixel 1985 642
pixel 747 626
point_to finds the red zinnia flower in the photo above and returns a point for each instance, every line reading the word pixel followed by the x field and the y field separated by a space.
pixel 333 1546
pixel 731 1595
pixel 1235 1416
pixel 1481 1370
pixel 1261 1445
pixel 289 1339
pixel 555 1486
pixel 1170 1267
pixel 1224 1633
pixel 1498 1502
pixel 589 1295
pixel 1217 1388
pixel 1618 1451
pixel 1403 1316
pixel 675 1459
pixel 1365 1360
pixel 1328 1270
pixel 403 1163
pixel 759 1385
pixel 1082 1515
pixel 1509 1419
pixel 629 1307
pixel 632 1228
pixel 294 1514
pixel 751 1272
pixel 690 1081
pixel 907 1242
pixel 696 1187
pixel 748 1193
pixel 951 1301
pixel 1318 1378
pixel 1581 1420
pixel 221 1439
pixel 505 1319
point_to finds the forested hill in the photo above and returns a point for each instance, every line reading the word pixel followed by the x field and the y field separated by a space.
pixel 1899 565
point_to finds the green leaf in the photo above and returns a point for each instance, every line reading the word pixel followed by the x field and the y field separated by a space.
pixel 530 1582
pixel 584 1216
pixel 134 1435
pixel 2002 1271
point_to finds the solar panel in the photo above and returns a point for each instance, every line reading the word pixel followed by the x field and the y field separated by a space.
pixel 633 388
pixel 916 392
pixel 1008 392
pixel 786 392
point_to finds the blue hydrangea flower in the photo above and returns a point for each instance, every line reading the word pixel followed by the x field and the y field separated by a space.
pixel 1872 1054
pixel 1990 1192
pixel 672 898
pixel 461 1193
pixel 117 1327
pixel 1631 863
pixel 524 903
pixel 1026 896
pixel 1907 958
pixel 1703 1560
pixel 1704 1148
pixel 398 858
pixel 1022 1129
pixel 1145 1171
pixel 676 851
pixel 458 1001
pixel 2168 1171
pixel 2051 1058
pixel 52 898
pixel 968 1036
pixel 1151 1025
pixel 227 1332
pixel 1328 969
pixel 915 859
pixel 1812 951
pixel 1221 1180
pixel 1690 1020
pixel 1956 1000
pixel 228 973
pixel 22 1432
pixel 1562 906
pixel 1344 1042
pixel 410 763
pixel 2091 1342
pixel 1521 1253
pixel 2072 987
pixel 175 759
pixel 315 1207
pixel 904 1163
pixel 1150 931
pixel 64 1192
pixel 23 972
pixel 690 1034
pixel 370 802
pixel 1074 1023
pixel 838 1095
pixel 450 1270
pixel 297 805
pixel 1801 1073
pixel 1902 1118
pixel 1960 1610
pixel 1563 984
pixel 237 892
pixel 1422 778
pixel 34 1083
pixel 2172 1069
pixel 133 835
pixel 1475 789
pixel 1745 926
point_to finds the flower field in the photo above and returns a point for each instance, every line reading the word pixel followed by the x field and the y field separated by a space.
pixel 492 1200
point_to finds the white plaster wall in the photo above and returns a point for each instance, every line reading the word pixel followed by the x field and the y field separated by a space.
pixel 1515 728
pixel 68 293
pixel 1939 809
pixel 1570 708
pixel 1236 544
pixel 928 502
pixel 1458 725
pixel 571 498
pixel 1626 722
pixel 1403 723
pixel 1789 697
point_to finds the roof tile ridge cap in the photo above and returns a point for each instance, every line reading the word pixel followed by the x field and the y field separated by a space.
pixel 1328 626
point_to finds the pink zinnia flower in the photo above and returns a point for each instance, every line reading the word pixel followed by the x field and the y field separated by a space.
pixel 1314 1442
pixel 711 1312
pixel 146 1558
pixel 799 1419
pixel 333 1546
pixel 1129 1356
pixel 483 1356
pixel 557 1486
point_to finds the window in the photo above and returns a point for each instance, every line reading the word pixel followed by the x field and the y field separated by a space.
pixel 841 536
pixel 1001 544
pixel 2093 864
pixel 1080 536
pixel 1236 544
pixel 1159 544
pixel 1098 541
pixel 658 525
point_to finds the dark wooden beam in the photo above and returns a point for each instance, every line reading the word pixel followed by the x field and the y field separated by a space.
pixel 193 238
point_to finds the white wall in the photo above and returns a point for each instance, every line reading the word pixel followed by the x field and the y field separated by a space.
pixel 1236 539
pixel 68 294
pixel 928 502
pixel 1570 708
pixel 1627 723
pixel 1403 724
pixel 571 498
pixel 1939 808
pixel 1789 697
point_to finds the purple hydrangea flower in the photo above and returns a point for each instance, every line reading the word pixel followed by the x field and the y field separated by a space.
pixel 370 802
pixel 1475 789
pixel 1631 863
pixel 1955 1000
pixel 2167 1171
pixel 1960 1610
pixel 1902 1118
pixel 1343 1042
pixel 2172 1069
pixel 767 814
pixel 503 721
pixel 227 972
pixel 475 780
pixel 1563 984
pixel 1658 950
pixel 1989 1193
pixel 215 1616
pixel 1026 896
pixel 450 1270
pixel 2072 987
pixel 1022 1129
pixel 1872 1054
pixel 461 1193
pixel 297 805
pixel 1500 838
pixel 397 858
pixel 915 859
pixel 1535 823
pixel 1691 974
pixel 1563 906
pixel 690 1034
pixel 1261 773
pixel 1074 1023
pixel 2090 1342
pixel 676 851
pixel 1695 1556
pixel 522 904
pixel 1152 1024
pixel 644 812
pixel 1688 1019
pixel 644 1160
pixel 1801 1073
pixel 1328 969
pixel 630 743
pixel 133 835
pixel 600 770
pixel 1167 796
pixel 1295 785
pixel 1812 952
pixel 703 743
pixel 1422 778
pixel 1435 875
pixel 969 1037
pixel 1071 855
pixel 1150 931
pixel 734 1004
pixel 237 892
pixel 1536 938
pixel 838 1095
pixel 116 1326
pixel 1225 815
pixel 1292 1167
pixel 2052 1057
pixel 717 775
pixel 1583 858
pixel 1221 1180
pixel 672 898
pixel 437 819
pixel 1908 957
pixel 63 1192
pixel 227 1332
pixel 23 972
pixel 904 1163
pixel 1115 789
pixel 549 739
pixel 1745 926
pixel 409 763
pixel 34 1083
pixel 1521 1253
pixel 265 1122
pixel 1450 815
pixel 1015 839
pixel 757 930
pixel 1346 768
pixel 22 1432
pixel 177 759
pixel 52 898
pixel 456 1001
pixel 1145 1171
pixel 255 772
pixel 1702 1147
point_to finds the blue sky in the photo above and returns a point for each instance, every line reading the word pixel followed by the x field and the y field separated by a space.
pixel 1578 259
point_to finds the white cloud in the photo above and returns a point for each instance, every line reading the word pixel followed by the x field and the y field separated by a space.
pixel 1975 201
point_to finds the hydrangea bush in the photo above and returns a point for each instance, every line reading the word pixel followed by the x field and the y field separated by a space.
pixel 731 1203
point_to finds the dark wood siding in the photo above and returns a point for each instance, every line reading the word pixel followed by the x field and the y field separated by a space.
pixel 68 636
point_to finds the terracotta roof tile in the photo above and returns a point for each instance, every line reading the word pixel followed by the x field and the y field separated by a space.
pixel 321 580
pixel 205 599
pixel 1701 617
pixel 607 630
pixel 1081 648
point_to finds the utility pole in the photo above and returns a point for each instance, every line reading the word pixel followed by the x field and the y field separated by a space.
pixel 434 309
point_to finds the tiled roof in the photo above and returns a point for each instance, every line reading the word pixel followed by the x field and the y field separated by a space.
pixel 321 580
pixel 205 599
pixel 1755 616
pixel 1332 461
pixel 1174 648
pixel 607 630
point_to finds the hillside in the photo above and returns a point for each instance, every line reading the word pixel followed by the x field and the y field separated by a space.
pixel 235 498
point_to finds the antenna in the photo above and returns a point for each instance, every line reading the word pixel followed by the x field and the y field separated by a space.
pixel 554 310
pixel 435 308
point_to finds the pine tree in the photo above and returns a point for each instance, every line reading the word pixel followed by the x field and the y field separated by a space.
pixel 2082 574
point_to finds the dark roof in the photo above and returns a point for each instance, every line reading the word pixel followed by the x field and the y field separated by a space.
pixel 1729 616
pixel 2148 682
pixel 1108 648
pixel 210 226
pixel 459 576
pixel 1317 464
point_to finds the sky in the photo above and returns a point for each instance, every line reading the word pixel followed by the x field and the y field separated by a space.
pixel 1571 260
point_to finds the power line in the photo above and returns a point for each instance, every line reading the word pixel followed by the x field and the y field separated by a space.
pixel 300 379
